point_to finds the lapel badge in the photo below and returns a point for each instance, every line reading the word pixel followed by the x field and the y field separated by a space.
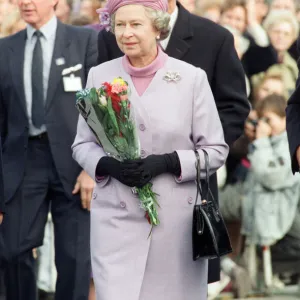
pixel 172 76
pixel 60 61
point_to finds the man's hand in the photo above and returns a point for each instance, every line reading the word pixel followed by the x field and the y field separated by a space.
pixel 85 184
pixel 250 129
pixel 1 218
pixel 298 156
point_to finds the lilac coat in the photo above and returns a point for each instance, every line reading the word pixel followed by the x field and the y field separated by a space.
pixel 171 116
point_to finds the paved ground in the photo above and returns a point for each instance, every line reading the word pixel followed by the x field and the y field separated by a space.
pixel 289 293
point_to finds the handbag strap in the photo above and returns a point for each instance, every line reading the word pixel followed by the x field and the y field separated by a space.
pixel 198 179
pixel 208 194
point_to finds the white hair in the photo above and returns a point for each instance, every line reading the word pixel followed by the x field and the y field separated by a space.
pixel 281 16
pixel 159 19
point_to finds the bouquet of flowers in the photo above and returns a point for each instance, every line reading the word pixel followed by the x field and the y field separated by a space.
pixel 109 114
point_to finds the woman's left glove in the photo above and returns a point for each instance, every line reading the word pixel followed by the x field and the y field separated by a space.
pixel 155 165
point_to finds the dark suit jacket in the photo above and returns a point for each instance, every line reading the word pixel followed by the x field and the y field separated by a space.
pixel 76 45
pixel 293 120
pixel 207 45
pixel 2 209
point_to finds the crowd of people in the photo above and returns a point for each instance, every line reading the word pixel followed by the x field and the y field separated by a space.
pixel 258 192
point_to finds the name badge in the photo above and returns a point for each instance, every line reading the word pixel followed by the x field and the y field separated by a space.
pixel 72 83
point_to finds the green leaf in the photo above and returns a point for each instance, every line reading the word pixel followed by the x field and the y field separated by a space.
pixel 93 96
pixel 121 145
pixel 112 116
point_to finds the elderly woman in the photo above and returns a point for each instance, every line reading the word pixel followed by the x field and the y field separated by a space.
pixel 174 118
pixel 283 29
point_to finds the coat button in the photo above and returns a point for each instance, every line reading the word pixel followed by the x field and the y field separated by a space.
pixel 94 195
pixel 142 127
pixel 143 153
pixel 123 204
pixel 190 200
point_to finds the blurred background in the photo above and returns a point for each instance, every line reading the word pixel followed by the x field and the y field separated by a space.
pixel 265 34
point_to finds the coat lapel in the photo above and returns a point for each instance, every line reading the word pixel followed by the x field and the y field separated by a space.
pixel 178 44
pixel 62 43
pixel 17 66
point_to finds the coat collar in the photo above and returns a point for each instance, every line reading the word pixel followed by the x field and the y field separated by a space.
pixel 17 45
pixel 182 32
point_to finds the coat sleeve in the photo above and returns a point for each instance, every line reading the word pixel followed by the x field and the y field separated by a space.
pixel 207 132
pixel 86 151
pixel 271 168
pixel 293 121
pixel 229 86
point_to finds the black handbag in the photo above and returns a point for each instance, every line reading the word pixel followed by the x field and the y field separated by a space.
pixel 210 236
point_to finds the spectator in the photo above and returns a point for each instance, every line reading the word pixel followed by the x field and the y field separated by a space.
pixel 210 9
pixel 241 15
pixel 271 192
pixel 12 23
pixel 261 10
pixel 88 8
pixel 63 10
pixel 80 21
pixel 234 14
pixel 5 8
pixel 289 5
pixel 298 11
pixel 283 29
pixel 269 83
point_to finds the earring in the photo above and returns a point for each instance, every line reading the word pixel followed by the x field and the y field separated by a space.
pixel 158 37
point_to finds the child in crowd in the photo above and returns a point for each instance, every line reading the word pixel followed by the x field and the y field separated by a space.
pixel 271 192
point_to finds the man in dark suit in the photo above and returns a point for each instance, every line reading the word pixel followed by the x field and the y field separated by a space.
pixel 206 45
pixel 293 123
pixel 41 68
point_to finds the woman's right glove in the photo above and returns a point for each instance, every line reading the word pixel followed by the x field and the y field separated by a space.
pixel 127 173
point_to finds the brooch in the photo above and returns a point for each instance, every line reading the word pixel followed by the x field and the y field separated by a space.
pixel 172 76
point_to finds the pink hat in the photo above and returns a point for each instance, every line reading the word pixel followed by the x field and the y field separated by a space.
pixel 112 6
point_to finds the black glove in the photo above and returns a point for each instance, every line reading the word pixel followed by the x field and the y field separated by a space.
pixel 155 165
pixel 126 173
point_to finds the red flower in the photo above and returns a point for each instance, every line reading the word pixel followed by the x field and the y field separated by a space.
pixel 107 87
pixel 115 99
pixel 116 103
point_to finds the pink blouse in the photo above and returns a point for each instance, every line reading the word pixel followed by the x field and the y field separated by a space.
pixel 141 77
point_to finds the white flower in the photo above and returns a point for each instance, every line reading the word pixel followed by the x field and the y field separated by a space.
pixel 103 100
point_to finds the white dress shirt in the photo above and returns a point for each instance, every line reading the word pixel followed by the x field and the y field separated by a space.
pixel 164 43
pixel 47 42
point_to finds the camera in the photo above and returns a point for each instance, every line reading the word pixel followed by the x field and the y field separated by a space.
pixel 253 122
